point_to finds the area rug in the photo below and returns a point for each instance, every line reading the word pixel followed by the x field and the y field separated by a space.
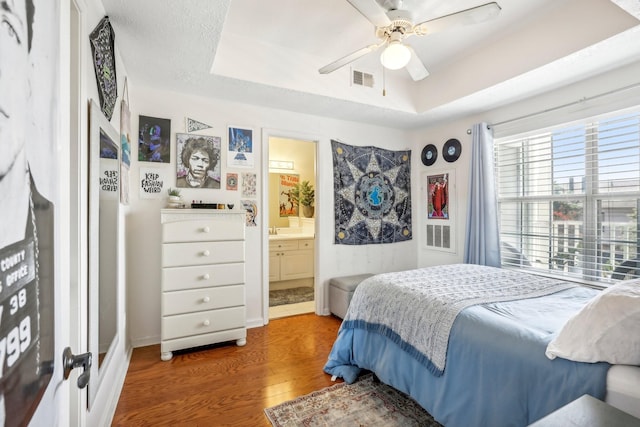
pixel 363 403
pixel 290 296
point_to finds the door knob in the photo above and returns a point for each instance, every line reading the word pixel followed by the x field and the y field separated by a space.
pixel 71 361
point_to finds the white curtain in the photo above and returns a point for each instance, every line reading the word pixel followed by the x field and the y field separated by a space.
pixel 482 242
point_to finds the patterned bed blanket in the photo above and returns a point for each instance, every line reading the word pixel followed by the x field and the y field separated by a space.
pixel 416 308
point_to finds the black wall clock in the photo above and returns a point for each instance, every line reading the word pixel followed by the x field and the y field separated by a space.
pixel 451 150
pixel 429 154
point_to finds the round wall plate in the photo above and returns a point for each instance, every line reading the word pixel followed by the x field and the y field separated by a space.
pixel 451 150
pixel 429 154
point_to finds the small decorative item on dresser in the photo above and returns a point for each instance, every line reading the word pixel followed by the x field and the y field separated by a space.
pixel 175 200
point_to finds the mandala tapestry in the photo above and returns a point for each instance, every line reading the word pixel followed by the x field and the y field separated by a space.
pixel 372 194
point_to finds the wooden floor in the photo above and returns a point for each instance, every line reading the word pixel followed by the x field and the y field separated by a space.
pixel 226 385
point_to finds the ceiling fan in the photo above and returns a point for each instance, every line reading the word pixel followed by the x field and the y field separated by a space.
pixel 394 25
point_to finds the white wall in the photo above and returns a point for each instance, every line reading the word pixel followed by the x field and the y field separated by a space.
pixel 615 90
pixel 143 217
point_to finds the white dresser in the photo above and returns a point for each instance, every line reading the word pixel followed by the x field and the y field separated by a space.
pixel 203 290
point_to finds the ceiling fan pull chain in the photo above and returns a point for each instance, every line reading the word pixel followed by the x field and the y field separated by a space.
pixel 384 83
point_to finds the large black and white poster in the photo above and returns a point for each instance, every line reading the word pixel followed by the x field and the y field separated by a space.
pixel 29 56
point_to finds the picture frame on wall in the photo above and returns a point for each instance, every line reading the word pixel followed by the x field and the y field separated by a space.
pixel 198 161
pixel 240 147
pixel 286 205
pixel 438 196
pixel 439 204
pixel 154 139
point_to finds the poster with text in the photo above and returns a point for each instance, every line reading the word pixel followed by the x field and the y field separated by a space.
pixel 286 183
pixel 153 183
pixel 240 150
pixel 109 179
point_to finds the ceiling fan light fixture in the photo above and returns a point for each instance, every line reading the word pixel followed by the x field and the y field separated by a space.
pixel 395 56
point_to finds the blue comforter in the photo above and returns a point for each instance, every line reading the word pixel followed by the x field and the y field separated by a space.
pixel 497 373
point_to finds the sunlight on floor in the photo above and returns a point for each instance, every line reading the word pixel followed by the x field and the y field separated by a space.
pixel 291 309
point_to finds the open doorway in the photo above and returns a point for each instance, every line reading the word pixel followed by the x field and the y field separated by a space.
pixel 292 183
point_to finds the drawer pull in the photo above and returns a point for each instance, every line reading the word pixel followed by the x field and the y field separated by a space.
pixel 205 276
pixel 206 322
pixel 206 229
pixel 206 299
pixel 206 252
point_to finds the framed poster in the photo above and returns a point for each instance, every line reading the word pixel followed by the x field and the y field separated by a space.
pixel 154 139
pixel 438 189
pixel 286 182
pixel 198 164
pixel 438 197
pixel 240 149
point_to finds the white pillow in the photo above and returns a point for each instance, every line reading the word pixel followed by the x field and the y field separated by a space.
pixel 606 329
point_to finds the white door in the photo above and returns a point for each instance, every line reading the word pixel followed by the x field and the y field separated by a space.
pixel 35 323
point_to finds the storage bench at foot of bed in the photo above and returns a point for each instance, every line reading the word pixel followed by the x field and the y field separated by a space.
pixel 341 290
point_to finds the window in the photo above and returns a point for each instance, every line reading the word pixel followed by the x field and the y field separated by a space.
pixel 569 199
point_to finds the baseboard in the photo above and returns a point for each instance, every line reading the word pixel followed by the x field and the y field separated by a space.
pixel 145 341
pixel 115 397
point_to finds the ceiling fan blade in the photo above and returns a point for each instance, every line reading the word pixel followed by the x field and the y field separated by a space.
pixel 415 67
pixel 371 10
pixel 470 16
pixel 349 58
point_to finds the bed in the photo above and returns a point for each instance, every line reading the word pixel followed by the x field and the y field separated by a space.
pixel 469 343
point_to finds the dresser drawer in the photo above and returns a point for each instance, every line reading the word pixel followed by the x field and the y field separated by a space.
pixel 199 253
pixel 190 301
pixel 202 322
pixel 202 230
pixel 202 276
pixel 283 245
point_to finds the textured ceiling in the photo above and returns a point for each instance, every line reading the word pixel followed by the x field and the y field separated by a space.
pixel 251 51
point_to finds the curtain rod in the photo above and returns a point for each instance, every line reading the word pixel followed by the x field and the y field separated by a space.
pixel 559 107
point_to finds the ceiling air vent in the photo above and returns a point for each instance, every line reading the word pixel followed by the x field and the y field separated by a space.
pixel 360 78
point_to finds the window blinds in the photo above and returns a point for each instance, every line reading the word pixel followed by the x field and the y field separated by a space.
pixel 569 199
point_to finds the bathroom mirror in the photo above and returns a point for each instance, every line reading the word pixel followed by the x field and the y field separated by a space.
pixel 104 202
